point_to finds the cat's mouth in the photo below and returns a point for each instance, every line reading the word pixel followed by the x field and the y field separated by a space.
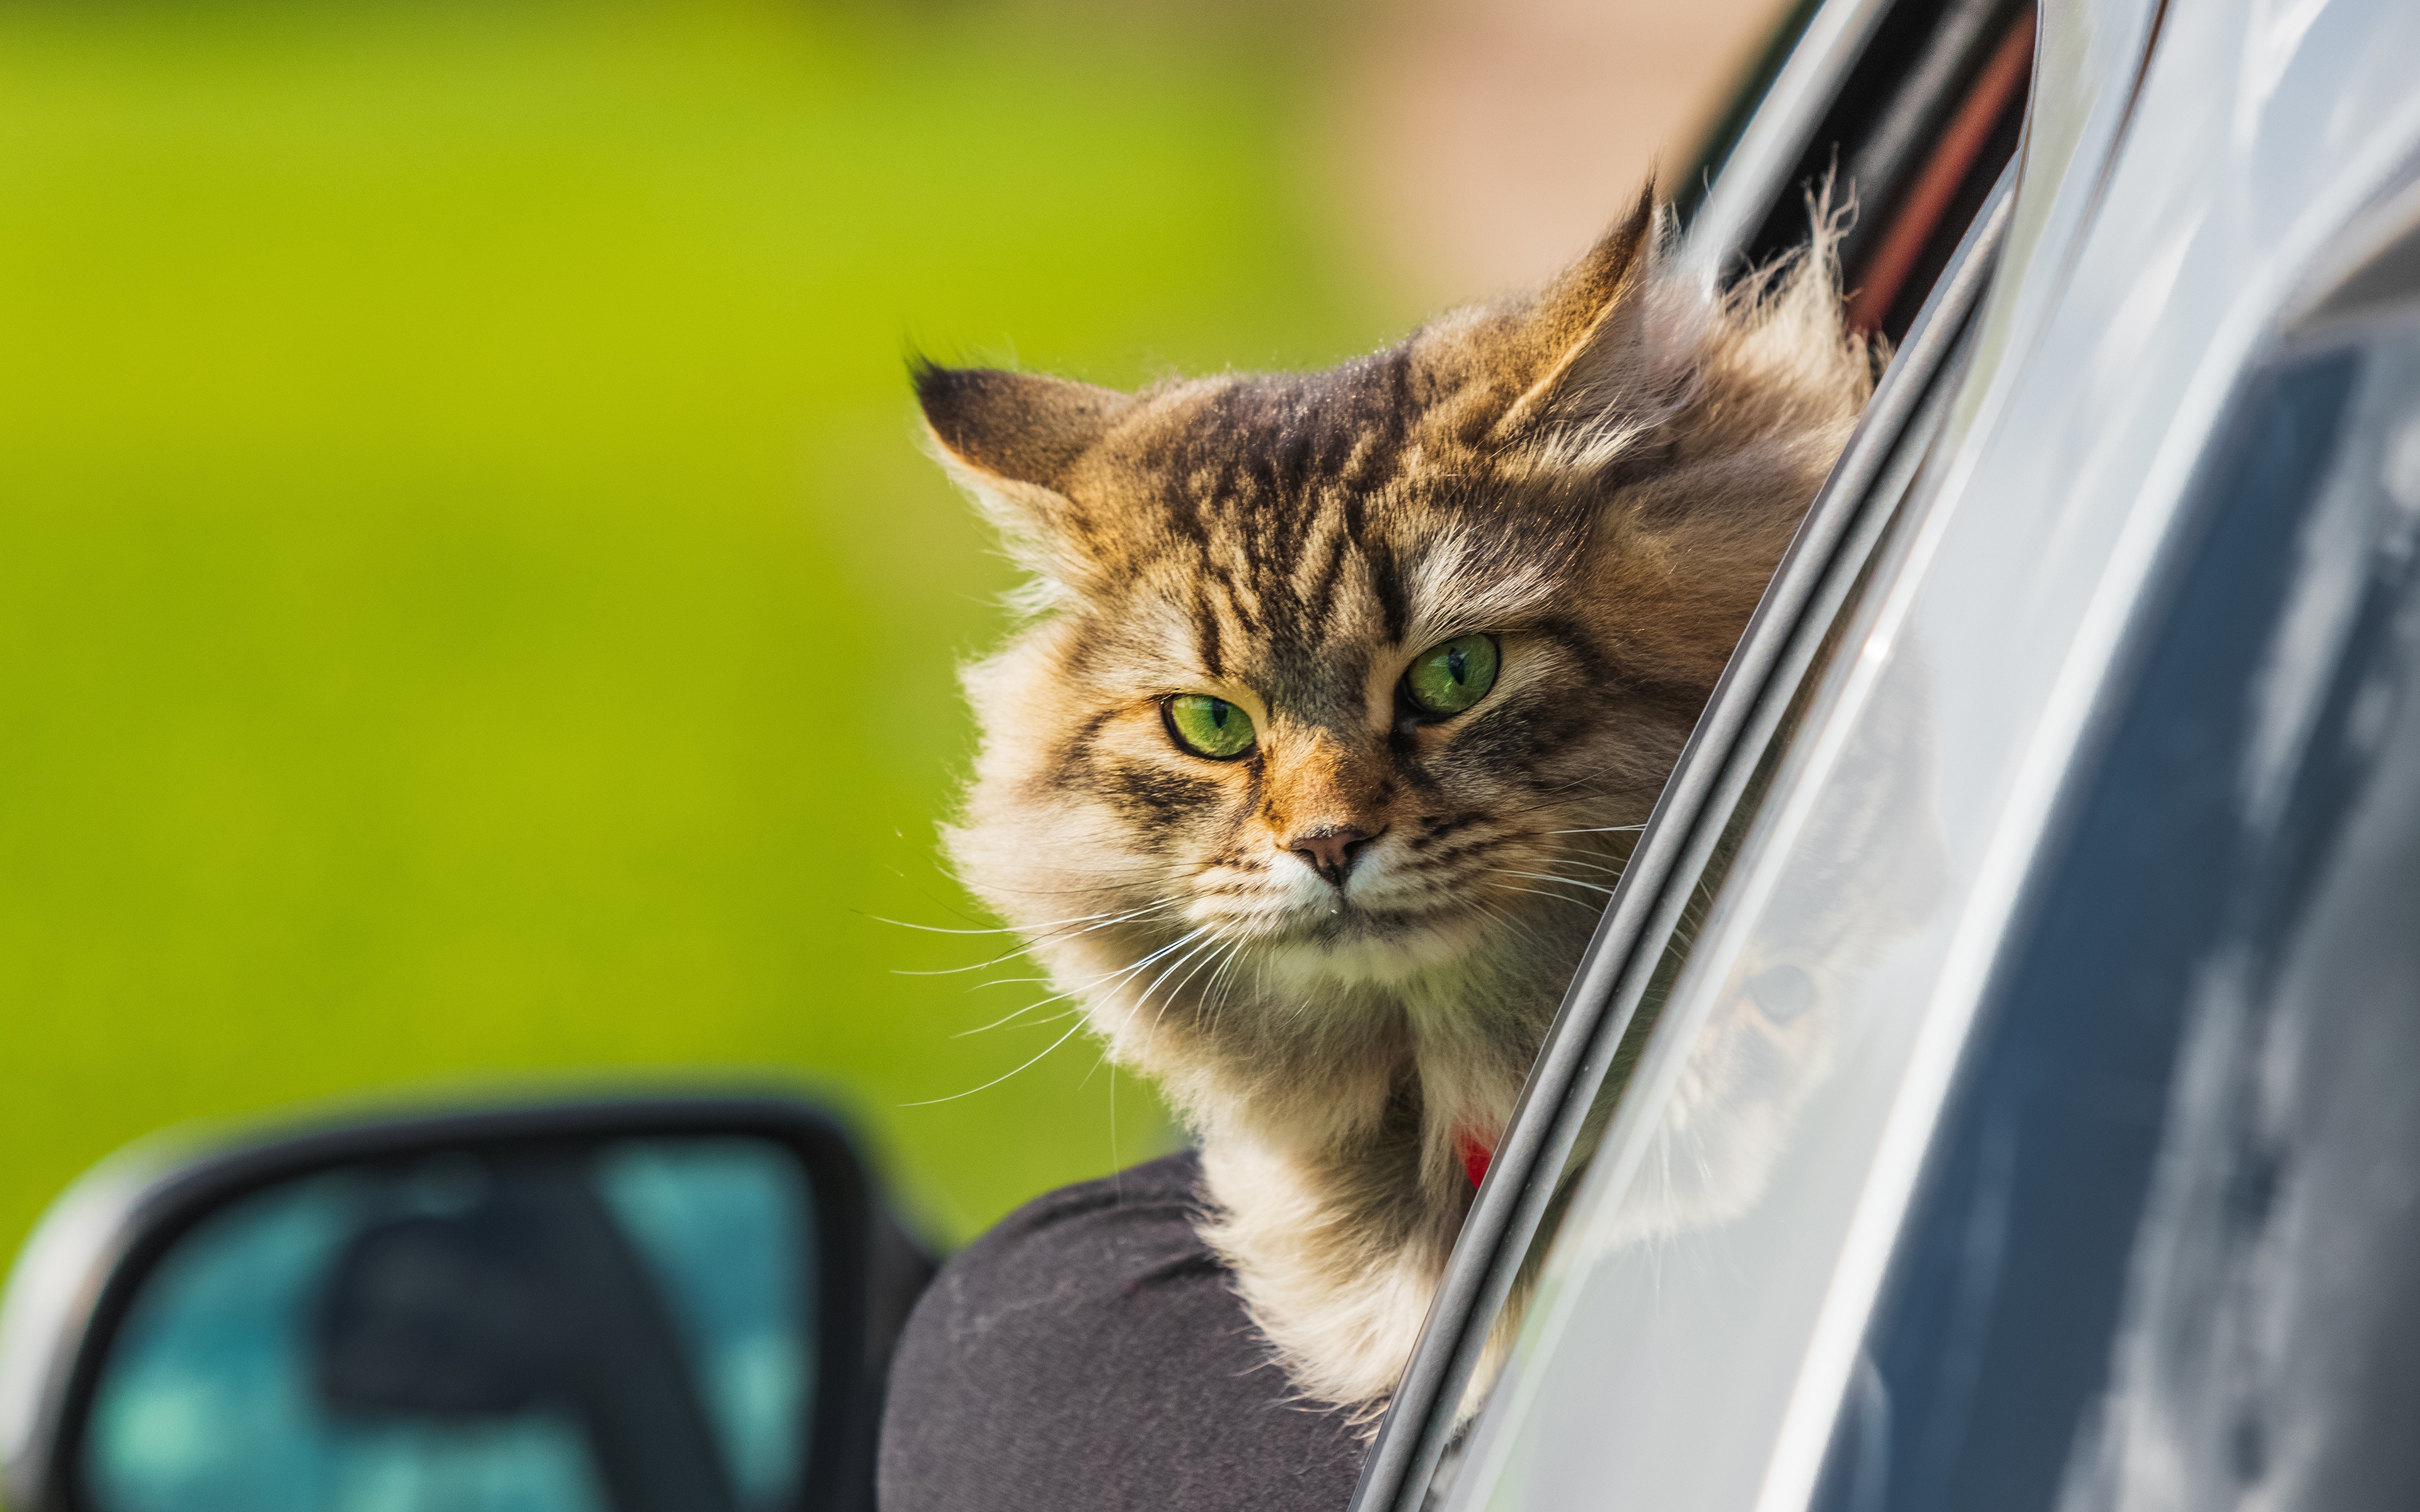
pixel 1339 937
pixel 1388 922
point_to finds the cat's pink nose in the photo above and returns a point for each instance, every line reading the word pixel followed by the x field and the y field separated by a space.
pixel 1331 849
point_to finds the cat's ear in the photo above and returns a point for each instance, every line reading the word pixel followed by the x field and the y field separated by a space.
pixel 1023 428
pixel 1603 352
pixel 1012 439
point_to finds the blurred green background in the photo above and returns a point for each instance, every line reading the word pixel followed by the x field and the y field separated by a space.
pixel 470 607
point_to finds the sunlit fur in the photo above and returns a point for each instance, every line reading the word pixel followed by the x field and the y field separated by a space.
pixel 1602 477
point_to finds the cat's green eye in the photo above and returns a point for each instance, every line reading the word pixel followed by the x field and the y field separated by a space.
pixel 1450 678
pixel 1208 727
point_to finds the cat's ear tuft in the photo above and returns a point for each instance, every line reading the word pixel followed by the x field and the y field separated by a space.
pixel 1013 427
pixel 1601 353
pixel 1013 441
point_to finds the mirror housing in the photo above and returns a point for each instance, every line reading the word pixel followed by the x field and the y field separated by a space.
pixel 523 1291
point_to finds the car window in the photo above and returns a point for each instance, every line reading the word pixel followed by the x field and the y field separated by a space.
pixel 1930 116
pixel 1784 989
pixel 1677 876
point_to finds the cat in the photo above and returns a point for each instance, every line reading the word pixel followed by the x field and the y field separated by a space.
pixel 1337 704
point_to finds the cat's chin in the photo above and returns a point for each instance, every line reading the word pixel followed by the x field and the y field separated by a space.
pixel 1357 946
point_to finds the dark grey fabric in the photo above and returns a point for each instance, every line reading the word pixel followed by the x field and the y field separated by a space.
pixel 1090 1355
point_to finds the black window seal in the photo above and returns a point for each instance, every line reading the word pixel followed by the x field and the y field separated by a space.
pixel 1623 956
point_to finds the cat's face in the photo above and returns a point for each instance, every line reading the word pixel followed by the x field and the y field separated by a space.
pixel 1314 697
pixel 1365 676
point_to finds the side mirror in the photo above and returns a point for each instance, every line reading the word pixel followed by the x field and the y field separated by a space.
pixel 652 1304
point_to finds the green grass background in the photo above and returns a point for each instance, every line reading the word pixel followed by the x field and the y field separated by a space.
pixel 470 602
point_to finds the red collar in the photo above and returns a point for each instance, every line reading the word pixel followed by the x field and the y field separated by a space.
pixel 1474 1154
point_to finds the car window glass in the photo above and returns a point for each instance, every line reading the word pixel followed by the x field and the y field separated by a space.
pixel 1783 990
pixel 1931 115
pixel 1670 896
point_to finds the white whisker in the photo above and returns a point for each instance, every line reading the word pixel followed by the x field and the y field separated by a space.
pixel 1548 876
pixel 1045 936
pixel 1105 980
pixel 1540 892
pixel 1212 946
pixel 997 1080
pixel 1593 866
pixel 1010 929
pixel 1011 1018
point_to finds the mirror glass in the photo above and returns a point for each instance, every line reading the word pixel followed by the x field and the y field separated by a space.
pixel 624 1326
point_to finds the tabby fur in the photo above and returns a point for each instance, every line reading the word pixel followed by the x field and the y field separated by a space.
pixel 1602 476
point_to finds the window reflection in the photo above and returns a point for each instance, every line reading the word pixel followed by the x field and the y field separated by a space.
pixel 1755 1062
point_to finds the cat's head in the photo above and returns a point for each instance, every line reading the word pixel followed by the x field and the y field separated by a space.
pixel 1353 677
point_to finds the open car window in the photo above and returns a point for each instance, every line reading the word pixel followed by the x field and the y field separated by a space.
pixel 1922 106
pixel 1779 691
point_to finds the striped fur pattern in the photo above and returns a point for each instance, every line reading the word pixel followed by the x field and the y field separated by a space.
pixel 1602 477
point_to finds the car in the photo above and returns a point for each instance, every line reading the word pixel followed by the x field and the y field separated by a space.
pixel 1988 1087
